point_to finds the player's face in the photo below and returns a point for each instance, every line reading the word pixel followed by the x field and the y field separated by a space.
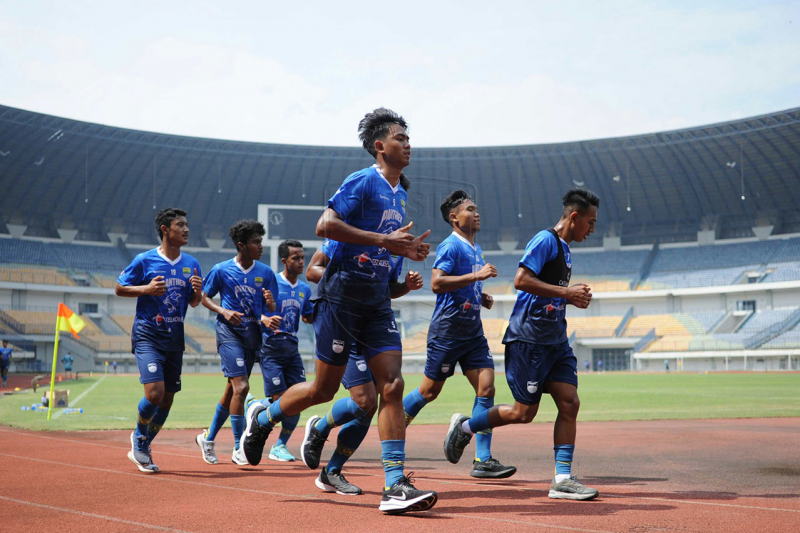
pixel 395 147
pixel 584 224
pixel 178 231
pixel 253 248
pixel 467 217
pixel 5 344
pixel 296 262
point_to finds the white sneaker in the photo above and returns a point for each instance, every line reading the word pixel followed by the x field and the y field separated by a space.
pixel 239 458
pixel 207 448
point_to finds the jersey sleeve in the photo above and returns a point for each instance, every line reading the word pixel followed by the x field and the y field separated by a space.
pixel 133 275
pixel 327 248
pixel 350 195
pixel 445 259
pixel 211 283
pixel 308 307
pixel 397 269
pixel 542 249
pixel 273 288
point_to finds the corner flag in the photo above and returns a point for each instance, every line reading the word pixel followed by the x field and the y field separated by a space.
pixel 66 320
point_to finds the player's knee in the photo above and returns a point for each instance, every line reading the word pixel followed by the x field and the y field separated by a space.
pixel 393 390
pixel 524 415
pixel 241 388
pixel 366 401
pixel 322 394
pixel 569 407
pixel 155 395
pixel 486 392
pixel 430 394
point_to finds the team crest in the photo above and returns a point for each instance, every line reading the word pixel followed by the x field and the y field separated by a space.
pixel 362 366
pixel 338 346
pixel 533 386
pixel 276 380
pixel 445 368
pixel 259 281
pixel 239 361
pixel 302 295
pixel 187 272
pixel 152 367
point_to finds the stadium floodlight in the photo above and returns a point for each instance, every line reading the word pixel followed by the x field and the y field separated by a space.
pixel 616 178
pixel 731 164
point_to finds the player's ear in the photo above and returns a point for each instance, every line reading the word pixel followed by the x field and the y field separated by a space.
pixel 379 146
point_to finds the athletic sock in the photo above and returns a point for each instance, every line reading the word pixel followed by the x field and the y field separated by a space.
pixel 413 404
pixel 563 454
pixel 146 412
pixel 237 425
pixel 156 423
pixel 342 412
pixel 287 427
pixel 350 438
pixel 220 416
pixel 477 423
pixel 483 438
pixel 393 457
pixel 271 415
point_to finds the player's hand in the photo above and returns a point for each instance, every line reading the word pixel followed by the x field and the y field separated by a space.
pixel 197 282
pixel 420 250
pixel 399 241
pixel 486 300
pixel 157 286
pixel 488 271
pixel 413 280
pixel 268 297
pixel 233 317
pixel 271 322
pixel 579 295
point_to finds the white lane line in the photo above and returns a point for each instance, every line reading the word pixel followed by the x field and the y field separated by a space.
pixel 92 515
pixel 80 397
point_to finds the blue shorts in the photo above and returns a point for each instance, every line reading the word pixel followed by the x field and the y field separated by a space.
pixel 443 354
pixel 530 366
pixel 281 370
pixel 159 365
pixel 357 372
pixel 236 359
pixel 337 327
pixel 4 364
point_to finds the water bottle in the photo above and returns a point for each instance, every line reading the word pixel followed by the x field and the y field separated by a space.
pixel 73 411
pixel 26 408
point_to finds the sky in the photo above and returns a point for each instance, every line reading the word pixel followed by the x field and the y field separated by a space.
pixel 462 73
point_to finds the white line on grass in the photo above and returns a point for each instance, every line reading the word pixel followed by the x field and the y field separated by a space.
pixel 80 397
pixel 92 515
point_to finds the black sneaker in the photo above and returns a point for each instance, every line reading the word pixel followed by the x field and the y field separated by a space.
pixel 313 442
pixel 255 435
pixel 491 468
pixel 403 497
pixel 335 482
pixel 456 439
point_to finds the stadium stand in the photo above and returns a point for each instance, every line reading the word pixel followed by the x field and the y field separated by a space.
pixel 592 326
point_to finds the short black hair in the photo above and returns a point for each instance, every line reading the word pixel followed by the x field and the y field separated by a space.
pixel 453 200
pixel 579 199
pixel 244 229
pixel 283 248
pixel 376 125
pixel 165 218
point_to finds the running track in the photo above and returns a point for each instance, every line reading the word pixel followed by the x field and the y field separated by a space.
pixel 687 476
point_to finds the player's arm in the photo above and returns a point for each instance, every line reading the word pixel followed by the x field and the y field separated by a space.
pixel 578 295
pixel 197 289
pixel 442 282
pixel 233 317
pixel 413 282
pixel 316 267
pixel 156 287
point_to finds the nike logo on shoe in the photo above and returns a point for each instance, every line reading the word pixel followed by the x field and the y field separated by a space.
pixel 403 497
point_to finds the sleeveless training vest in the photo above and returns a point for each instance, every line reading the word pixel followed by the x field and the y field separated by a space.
pixel 556 272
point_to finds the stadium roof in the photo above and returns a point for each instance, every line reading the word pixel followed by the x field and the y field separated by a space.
pixel 61 173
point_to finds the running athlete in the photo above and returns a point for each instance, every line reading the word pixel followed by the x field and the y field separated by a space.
pixel 246 288
pixel 5 361
pixel 538 355
pixel 281 364
pixel 165 282
pixel 365 217
pixel 456 331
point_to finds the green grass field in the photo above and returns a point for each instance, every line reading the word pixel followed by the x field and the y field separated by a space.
pixel 111 404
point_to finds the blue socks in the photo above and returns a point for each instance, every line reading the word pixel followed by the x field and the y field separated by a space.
pixel 287 427
pixel 272 415
pixel 159 417
pixel 237 425
pixel 342 412
pixel 413 404
pixel 480 422
pixel 220 416
pixel 483 438
pixel 564 458
pixel 350 438
pixel 394 459
pixel 146 412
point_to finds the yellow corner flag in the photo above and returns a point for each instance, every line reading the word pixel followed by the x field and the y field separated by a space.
pixel 66 320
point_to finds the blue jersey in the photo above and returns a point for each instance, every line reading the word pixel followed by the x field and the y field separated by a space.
pixel 396 261
pixel 293 301
pixel 538 319
pixel 241 290
pixel 457 314
pixel 5 353
pixel 159 319
pixel 67 360
pixel 358 275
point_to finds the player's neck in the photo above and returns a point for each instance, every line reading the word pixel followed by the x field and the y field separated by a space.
pixel 244 261
pixel 290 277
pixel 469 236
pixel 169 250
pixel 391 174
pixel 563 230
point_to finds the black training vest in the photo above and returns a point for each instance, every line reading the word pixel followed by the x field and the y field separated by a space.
pixel 556 272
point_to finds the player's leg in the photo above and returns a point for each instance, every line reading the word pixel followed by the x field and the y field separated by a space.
pixel 206 439
pixel 150 362
pixel 439 365
pixel 293 373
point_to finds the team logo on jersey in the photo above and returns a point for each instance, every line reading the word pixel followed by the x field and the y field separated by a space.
pixel 446 368
pixel 187 272
pixel 302 295
pixel 402 202
pixel 361 259
pixel 152 367
pixel 338 346
pixel 239 361
pixel 549 308
pixel 466 306
pixel 533 386
pixel 276 380
pixel 159 319
pixel 361 365
pixel 259 281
